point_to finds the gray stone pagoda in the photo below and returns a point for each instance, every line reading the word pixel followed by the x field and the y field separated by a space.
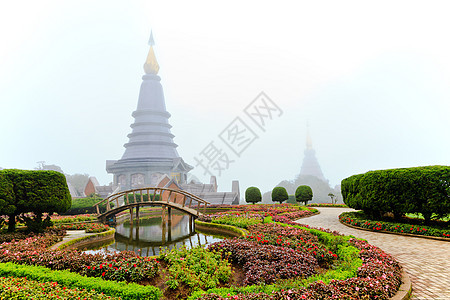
pixel 150 151
pixel 310 165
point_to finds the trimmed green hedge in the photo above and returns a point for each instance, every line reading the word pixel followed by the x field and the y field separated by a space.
pixel 38 192
pixel 424 190
pixel 85 206
pixel 72 280
pixel 153 197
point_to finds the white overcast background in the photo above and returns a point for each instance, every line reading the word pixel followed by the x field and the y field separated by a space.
pixel 371 78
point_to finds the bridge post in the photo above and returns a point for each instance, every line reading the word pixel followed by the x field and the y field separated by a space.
pixel 130 236
pixel 169 233
pixel 163 239
pixel 136 235
pixel 191 223
pixel 131 215
pixel 169 215
pixel 137 215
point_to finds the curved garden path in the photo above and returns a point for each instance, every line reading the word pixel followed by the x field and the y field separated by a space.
pixel 426 261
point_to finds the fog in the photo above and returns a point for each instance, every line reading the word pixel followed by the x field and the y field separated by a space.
pixel 371 79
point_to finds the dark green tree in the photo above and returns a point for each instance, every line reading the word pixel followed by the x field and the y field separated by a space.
pixel 252 195
pixel 303 194
pixel 424 190
pixel 35 192
pixel 7 205
pixel 279 194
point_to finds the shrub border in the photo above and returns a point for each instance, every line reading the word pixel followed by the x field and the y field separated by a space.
pixel 71 280
pixel 396 233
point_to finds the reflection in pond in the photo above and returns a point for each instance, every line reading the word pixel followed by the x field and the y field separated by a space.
pixel 150 234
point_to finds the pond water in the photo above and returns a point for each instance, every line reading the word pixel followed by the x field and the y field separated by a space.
pixel 151 234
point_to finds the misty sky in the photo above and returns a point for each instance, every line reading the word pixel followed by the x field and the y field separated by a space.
pixel 372 80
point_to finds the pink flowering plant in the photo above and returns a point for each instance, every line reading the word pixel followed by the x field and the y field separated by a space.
pixel 56 219
pixel 23 288
pixel 379 277
pixel 358 219
pixel 88 227
pixel 34 250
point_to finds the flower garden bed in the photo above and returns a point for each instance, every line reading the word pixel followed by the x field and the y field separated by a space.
pixel 325 205
pixel 23 288
pixel 274 258
pixel 88 227
pixel 359 220
pixel 288 261
pixel 56 219
pixel 34 250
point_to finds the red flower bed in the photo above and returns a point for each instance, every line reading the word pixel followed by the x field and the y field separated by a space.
pixel 295 238
pixel 88 227
pixel 378 278
pixel 125 265
pixel 267 263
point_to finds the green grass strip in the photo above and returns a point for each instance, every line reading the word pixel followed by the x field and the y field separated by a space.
pixel 240 232
pixel 73 280
pixel 110 232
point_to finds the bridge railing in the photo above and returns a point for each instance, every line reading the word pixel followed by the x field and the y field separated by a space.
pixel 153 194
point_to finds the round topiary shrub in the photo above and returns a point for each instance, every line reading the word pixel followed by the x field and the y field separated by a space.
pixel 252 195
pixel 279 194
pixel 303 194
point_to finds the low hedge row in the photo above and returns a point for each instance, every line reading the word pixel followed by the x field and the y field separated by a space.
pixel 72 280
pixel 23 288
pixel 424 190
pixel 359 219
pixel 325 205
pixel 85 206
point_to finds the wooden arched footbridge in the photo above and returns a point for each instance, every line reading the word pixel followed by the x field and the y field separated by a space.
pixel 150 196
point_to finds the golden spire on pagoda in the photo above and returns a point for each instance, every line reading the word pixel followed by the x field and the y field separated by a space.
pixel 151 65
pixel 308 138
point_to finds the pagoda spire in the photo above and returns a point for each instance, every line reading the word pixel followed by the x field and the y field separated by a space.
pixel 150 151
pixel 151 65
pixel 310 165
pixel 308 138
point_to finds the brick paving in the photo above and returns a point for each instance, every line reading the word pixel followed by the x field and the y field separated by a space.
pixel 427 262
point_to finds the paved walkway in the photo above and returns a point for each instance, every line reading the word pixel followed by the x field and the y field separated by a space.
pixel 426 261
